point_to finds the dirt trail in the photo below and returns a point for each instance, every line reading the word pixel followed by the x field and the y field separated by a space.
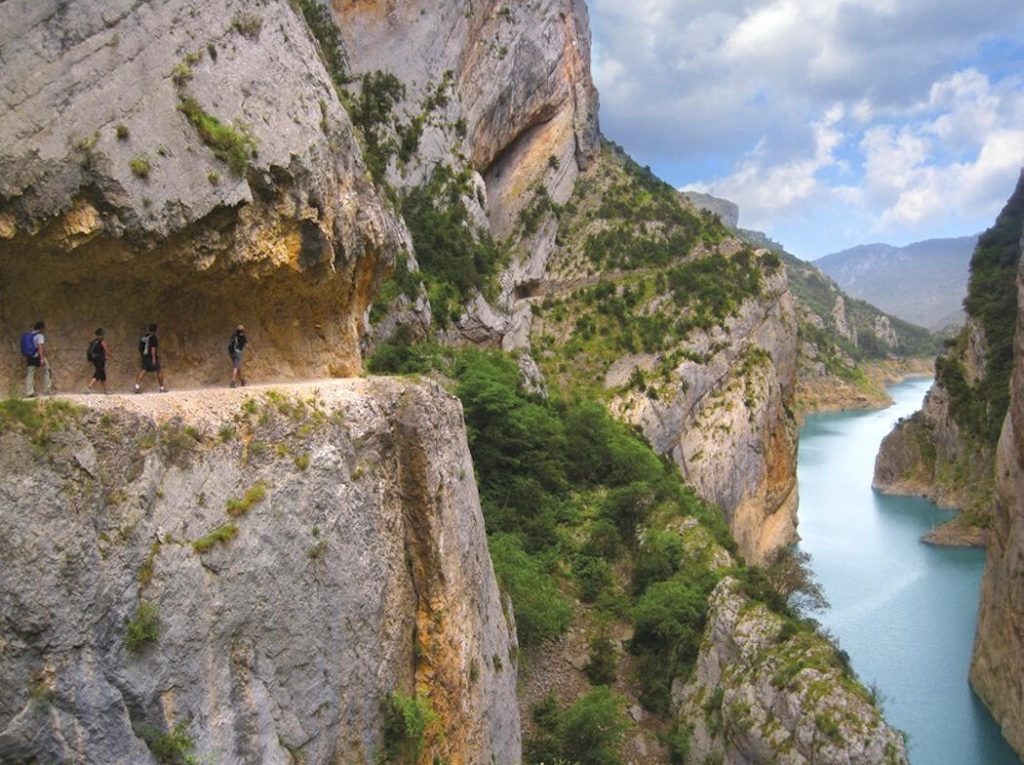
pixel 211 404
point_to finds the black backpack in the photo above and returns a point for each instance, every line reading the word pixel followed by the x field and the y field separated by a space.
pixel 95 350
pixel 236 344
pixel 144 345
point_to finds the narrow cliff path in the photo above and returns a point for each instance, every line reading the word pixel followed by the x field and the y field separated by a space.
pixel 206 404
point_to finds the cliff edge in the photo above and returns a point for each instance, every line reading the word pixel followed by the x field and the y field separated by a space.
pixel 257 577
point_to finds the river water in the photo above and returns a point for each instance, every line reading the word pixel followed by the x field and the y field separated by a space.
pixel 904 611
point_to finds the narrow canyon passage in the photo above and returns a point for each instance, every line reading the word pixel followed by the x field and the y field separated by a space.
pixel 906 612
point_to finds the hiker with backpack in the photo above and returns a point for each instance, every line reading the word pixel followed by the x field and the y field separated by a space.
pixel 33 348
pixel 148 350
pixel 236 346
pixel 97 355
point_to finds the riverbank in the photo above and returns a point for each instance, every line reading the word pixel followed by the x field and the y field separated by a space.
pixel 904 611
pixel 831 393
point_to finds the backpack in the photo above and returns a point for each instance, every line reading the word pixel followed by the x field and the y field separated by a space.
pixel 144 345
pixel 95 351
pixel 28 344
pixel 236 344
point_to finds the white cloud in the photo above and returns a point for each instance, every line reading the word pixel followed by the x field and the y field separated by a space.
pixel 786 106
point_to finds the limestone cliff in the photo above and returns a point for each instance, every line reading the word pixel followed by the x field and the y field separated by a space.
pixel 729 425
pixel 947 451
pixel 249 579
pixel 154 168
pixel 764 692
pixel 685 331
pixel 997 666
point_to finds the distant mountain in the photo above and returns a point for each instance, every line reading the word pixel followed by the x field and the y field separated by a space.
pixel 923 283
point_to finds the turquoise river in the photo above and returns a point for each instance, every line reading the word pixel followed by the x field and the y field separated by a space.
pixel 904 611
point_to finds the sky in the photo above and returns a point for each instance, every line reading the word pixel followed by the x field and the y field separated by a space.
pixel 831 123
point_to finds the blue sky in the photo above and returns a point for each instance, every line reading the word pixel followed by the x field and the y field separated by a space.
pixel 831 123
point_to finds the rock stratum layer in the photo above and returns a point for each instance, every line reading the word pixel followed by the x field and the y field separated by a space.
pixel 997 665
pixel 351 564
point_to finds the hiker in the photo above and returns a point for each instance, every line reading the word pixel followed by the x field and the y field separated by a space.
pixel 33 348
pixel 148 350
pixel 236 345
pixel 97 355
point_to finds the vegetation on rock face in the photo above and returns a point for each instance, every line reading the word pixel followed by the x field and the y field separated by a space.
pixel 143 628
pixel 456 259
pixel 992 302
pixel 407 720
pixel 232 144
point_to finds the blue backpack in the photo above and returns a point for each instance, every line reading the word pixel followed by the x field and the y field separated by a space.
pixel 28 344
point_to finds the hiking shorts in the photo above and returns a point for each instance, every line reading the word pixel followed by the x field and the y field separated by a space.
pixel 148 365
pixel 236 359
pixel 99 372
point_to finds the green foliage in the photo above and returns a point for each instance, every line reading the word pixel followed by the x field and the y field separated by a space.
pixel 121 131
pixel 321 24
pixel 668 621
pixel 232 144
pixel 40 421
pixel 173 747
pixel 254 494
pixel 992 302
pixel 220 535
pixel 371 112
pixel 406 722
pixel 455 257
pixel 600 668
pixel 143 629
pixel 140 165
pixel 541 610
pixel 594 575
pixel 590 732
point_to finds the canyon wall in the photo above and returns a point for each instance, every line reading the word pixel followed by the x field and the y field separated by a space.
pixel 154 168
pixel 262 576
pixel 997 665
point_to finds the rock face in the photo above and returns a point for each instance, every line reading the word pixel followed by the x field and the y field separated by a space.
pixel 730 427
pixel 352 564
pixel 997 666
pixel 124 210
pixel 763 692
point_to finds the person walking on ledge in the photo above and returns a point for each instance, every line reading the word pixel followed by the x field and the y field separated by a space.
pixel 97 355
pixel 236 346
pixel 33 348
pixel 148 350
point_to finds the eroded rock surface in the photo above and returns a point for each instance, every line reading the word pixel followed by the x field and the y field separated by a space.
pixel 353 564
pixel 764 692
pixel 997 666
pixel 116 210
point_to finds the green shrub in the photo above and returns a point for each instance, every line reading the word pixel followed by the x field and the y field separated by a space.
pixel 600 667
pixel 406 722
pixel 320 22
pixel 220 535
pixel 173 747
pixel 593 575
pixel 232 144
pixel 143 629
pixel 541 610
pixel 247 24
pixel 668 622
pixel 593 729
pixel 253 495
pixel 140 165
pixel 659 559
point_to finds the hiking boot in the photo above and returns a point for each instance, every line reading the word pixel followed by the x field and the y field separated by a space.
pixel 30 395
pixel 137 388
pixel 233 384
pixel 163 389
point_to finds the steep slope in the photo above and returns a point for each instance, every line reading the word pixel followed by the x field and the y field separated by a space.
pixel 848 349
pixel 947 450
pixel 688 334
pixel 255 578
pixel 923 283
pixel 997 665
pixel 184 183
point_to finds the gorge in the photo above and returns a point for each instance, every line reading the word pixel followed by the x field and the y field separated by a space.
pixel 556 534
